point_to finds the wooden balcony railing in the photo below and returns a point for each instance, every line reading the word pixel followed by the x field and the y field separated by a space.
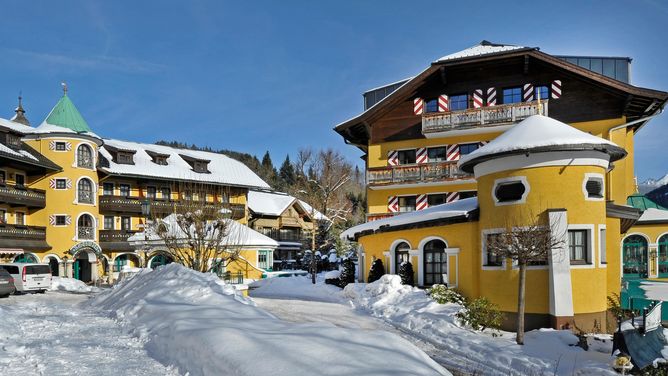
pixel 19 196
pixel 481 117
pixel 116 240
pixel 21 232
pixel 132 205
pixel 415 173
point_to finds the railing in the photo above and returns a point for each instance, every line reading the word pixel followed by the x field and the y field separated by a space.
pixel 20 232
pixel 132 205
pixel 85 232
pixel 286 236
pixel 116 239
pixel 22 196
pixel 415 173
pixel 481 117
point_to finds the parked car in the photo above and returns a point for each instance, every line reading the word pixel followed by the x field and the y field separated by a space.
pixel 6 284
pixel 29 277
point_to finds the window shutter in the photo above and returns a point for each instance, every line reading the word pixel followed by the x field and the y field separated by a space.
pixel 68 220
pixel 491 96
pixel 556 89
pixel 421 156
pixel 452 153
pixel 52 183
pixel 451 196
pixel 421 202
pixel 393 204
pixel 69 184
pixel 418 106
pixel 52 220
pixel 527 93
pixel 443 104
pixel 477 98
pixel 393 158
pixel 52 145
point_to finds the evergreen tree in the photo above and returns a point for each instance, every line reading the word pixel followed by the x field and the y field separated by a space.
pixel 377 271
pixel 348 273
pixel 267 171
pixel 406 273
pixel 287 173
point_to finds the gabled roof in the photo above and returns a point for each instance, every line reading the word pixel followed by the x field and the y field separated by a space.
pixel 540 133
pixel 15 127
pixel 269 203
pixel 481 49
pixel 654 215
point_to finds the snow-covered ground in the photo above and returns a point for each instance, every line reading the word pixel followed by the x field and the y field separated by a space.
pixel 50 334
pixel 71 285
pixel 434 328
pixel 202 326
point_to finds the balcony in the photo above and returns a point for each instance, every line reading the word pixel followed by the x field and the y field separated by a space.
pixel 28 238
pixel 132 205
pixel 283 235
pixel 415 173
pixel 20 196
pixel 116 240
pixel 481 117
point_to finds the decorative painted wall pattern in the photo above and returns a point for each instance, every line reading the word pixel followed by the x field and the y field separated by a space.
pixel 52 145
pixel 53 185
pixel 52 219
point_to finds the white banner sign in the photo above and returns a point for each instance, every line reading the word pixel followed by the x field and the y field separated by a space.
pixel 653 318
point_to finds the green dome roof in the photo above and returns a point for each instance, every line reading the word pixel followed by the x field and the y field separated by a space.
pixel 641 202
pixel 66 115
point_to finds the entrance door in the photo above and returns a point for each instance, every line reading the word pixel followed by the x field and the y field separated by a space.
pixel 634 257
pixel 663 256
pixel 82 268
pixel 76 269
pixel 53 265
pixel 435 263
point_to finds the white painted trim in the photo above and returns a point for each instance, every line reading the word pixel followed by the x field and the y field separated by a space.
pixel 592 176
pixel 55 148
pixel 60 215
pixel 76 228
pixel 483 249
pixel 420 185
pixel 113 190
pixel 25 218
pixel 114 222
pixel 393 255
pixel 512 179
pixel 93 153
pixel 543 159
pixel 602 243
pixel 658 239
pixel 60 189
pixel 26 253
pixel 420 255
pixel 46 257
pixel 426 240
pixel 590 244
pixel 94 189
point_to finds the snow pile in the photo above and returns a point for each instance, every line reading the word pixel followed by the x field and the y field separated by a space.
pixel 71 285
pixel 545 351
pixel 197 323
pixel 298 287
pixel 333 274
pixel 655 290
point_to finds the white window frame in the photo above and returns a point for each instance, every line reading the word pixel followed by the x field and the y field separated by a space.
pixel 16 218
pixel 407 164
pixel 55 146
pixel 393 254
pixel 93 156
pixel 399 205
pixel 602 246
pixel 512 179
pixel 113 188
pixel 483 249
pixel 591 238
pixel 129 189
pixel 76 227
pixel 60 189
pixel 56 220
pixel 93 192
pixel 113 222
pixel 592 176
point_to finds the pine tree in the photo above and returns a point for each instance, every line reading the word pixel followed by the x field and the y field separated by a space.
pixel 287 173
pixel 406 273
pixel 348 273
pixel 377 271
pixel 267 171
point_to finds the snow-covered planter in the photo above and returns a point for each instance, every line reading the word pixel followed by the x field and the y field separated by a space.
pixel 333 277
pixel 442 294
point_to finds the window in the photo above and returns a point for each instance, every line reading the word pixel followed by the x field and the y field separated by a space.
pixel 459 102
pixel 200 166
pixel 436 199
pixel 151 193
pixel 435 263
pixel 467 194
pixel 126 223
pixel 124 190
pixel 593 187
pixel 400 255
pixel 84 156
pixel 406 156
pixel 468 148
pixel 108 222
pixel 61 146
pixel 108 189
pixel 436 154
pixel 61 183
pixel 20 180
pixel 186 195
pixel 432 105
pixel 508 192
pixel 265 259
pixel 3 177
pixel 542 92
pixel 578 246
pixel 491 257
pixel 13 141
pixel 603 257
pixel 85 227
pixel 3 216
pixel 512 95
pixel 20 218
pixel 407 203
pixel 124 158
pixel 166 193
pixel 61 220
pixel 85 192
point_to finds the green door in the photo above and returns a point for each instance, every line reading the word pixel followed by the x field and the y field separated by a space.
pixel 663 257
pixel 76 269
pixel 634 257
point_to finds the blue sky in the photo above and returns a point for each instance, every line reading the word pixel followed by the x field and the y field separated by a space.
pixel 260 75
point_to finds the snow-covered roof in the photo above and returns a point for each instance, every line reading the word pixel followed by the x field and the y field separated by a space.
pixel 223 169
pixel 18 153
pixel 238 235
pixel 46 128
pixel 483 48
pixel 313 212
pixel 269 203
pixel 540 133
pixel 454 209
pixel 16 127
pixel 654 215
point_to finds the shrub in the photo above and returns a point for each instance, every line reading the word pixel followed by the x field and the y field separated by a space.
pixel 406 273
pixel 442 294
pixel 347 274
pixel 377 271
pixel 480 314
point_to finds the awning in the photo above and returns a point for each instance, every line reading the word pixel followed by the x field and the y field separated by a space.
pixel 10 251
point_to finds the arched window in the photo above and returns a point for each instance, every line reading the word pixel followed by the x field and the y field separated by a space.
pixel 86 227
pixel 634 257
pixel 85 192
pixel 663 256
pixel 400 255
pixel 26 258
pixel 435 263
pixel 84 156
pixel 159 260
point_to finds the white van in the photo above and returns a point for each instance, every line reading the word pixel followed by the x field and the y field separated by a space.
pixel 29 277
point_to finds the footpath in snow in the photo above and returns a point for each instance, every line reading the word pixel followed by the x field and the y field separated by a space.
pixel 434 328
pixel 202 326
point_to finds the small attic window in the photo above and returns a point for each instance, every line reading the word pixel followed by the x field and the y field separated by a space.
pixel 158 158
pixel 124 158
pixel 198 165
pixel 510 191
pixel 13 141
pixel 593 187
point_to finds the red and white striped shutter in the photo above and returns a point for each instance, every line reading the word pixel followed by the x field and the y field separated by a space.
pixel 418 106
pixel 421 202
pixel 421 156
pixel 477 98
pixel 451 196
pixel 52 220
pixel 393 204
pixel 443 104
pixel 556 89
pixel 527 93
pixel 452 153
pixel 491 96
pixel 393 158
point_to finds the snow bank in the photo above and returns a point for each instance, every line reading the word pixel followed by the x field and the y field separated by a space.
pixel 545 350
pixel 655 290
pixel 71 285
pixel 296 288
pixel 197 323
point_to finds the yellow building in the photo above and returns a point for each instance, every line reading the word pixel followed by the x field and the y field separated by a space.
pixel 72 199
pixel 420 135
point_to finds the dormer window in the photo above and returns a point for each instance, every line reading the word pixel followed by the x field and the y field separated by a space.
pixel 13 141
pixel 197 164
pixel 121 156
pixel 158 158
pixel 200 166
pixel 124 158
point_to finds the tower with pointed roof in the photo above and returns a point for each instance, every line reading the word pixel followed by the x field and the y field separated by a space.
pixel 20 116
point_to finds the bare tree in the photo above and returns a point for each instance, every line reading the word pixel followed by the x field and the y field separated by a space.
pixel 525 245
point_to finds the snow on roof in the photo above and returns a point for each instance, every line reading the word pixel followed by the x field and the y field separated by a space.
pixel 19 153
pixel 223 169
pixel 454 209
pixel 238 235
pixel 538 131
pixel 269 203
pixel 313 212
pixel 45 128
pixel 483 48
pixel 654 215
pixel 16 127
